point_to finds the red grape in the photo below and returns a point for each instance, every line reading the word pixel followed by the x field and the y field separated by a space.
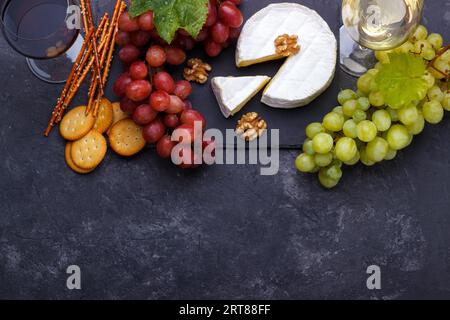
pixel 183 89
pixel 203 35
pixel 160 100
pixel 234 33
pixel 176 105
pixel 212 14
pixel 140 38
pixel 190 117
pixel 185 134
pixel 164 81
pixel 156 56
pixel 139 70
pixel 144 114
pixel 129 53
pixel 171 121
pixel 128 106
pixel 121 84
pixel 165 146
pixel 139 90
pixel 175 55
pixel 183 32
pixel 154 131
pixel 187 105
pixel 128 24
pixel 236 2
pixel 146 21
pixel 122 38
pixel 230 14
pixel 213 49
pixel 220 32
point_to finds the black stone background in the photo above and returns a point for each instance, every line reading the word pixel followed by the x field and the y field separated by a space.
pixel 141 228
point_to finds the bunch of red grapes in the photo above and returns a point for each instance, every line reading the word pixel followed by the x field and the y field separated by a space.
pixel 154 99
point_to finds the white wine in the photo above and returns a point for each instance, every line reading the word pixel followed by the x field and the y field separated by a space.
pixel 381 24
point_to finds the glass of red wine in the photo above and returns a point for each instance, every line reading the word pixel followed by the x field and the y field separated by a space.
pixel 46 32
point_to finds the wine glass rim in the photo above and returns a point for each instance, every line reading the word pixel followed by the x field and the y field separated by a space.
pixel 6 29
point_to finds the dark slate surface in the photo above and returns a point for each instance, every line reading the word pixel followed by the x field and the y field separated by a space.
pixel 141 228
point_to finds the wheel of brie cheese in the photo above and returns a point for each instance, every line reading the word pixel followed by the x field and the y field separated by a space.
pixel 233 93
pixel 305 75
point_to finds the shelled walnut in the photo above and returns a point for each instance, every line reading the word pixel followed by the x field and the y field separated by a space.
pixel 251 126
pixel 287 45
pixel 197 71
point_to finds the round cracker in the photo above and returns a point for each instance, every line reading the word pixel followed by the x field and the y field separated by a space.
pixel 76 124
pixel 88 152
pixel 118 115
pixel 70 162
pixel 126 138
pixel 104 116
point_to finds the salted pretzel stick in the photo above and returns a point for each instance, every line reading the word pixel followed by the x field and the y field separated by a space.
pixel 69 81
pixel 107 67
pixel 88 24
pixel 118 9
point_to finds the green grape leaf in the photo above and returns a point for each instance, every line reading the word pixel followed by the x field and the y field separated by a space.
pixel 171 15
pixel 401 81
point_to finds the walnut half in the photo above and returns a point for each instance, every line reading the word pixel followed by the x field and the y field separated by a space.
pixel 251 126
pixel 287 45
pixel 197 71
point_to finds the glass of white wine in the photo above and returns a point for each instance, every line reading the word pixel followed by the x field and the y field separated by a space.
pixel 374 25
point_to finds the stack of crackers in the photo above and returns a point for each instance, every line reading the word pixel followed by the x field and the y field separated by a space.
pixel 86 146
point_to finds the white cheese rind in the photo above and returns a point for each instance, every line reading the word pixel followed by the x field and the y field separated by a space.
pixel 305 75
pixel 232 93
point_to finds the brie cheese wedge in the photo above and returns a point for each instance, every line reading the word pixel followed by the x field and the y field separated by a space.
pixel 304 76
pixel 233 93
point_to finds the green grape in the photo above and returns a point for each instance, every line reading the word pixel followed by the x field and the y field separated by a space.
pixel 323 143
pixel 408 115
pixel 346 95
pixel 421 33
pixel 428 54
pixel 338 109
pixel 323 160
pixel 333 121
pixel 378 65
pixel 382 56
pixel 393 114
pixel 350 107
pixel 418 126
pixel 441 66
pixel 373 72
pixel 359 116
pixel 421 46
pixel 367 131
pixel 305 163
pixel 334 172
pixel 315 170
pixel 353 161
pixel 390 155
pixel 377 149
pixel 446 102
pixel 405 48
pixel 313 129
pixel 382 119
pixel 398 137
pixel 376 99
pixel 363 103
pixel 435 93
pixel 428 77
pixel 350 129
pixel 436 40
pixel 326 181
pixel 364 83
pixel 433 112
pixel 308 147
pixel 364 158
pixel 345 149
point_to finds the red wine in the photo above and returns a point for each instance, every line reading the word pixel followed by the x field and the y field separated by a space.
pixel 37 28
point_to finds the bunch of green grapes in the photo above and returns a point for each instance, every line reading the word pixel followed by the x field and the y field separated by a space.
pixel 363 129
